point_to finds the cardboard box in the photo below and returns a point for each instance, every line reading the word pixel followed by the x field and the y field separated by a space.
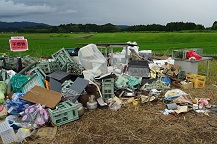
pixel 171 70
pixel 187 86
pixel 183 86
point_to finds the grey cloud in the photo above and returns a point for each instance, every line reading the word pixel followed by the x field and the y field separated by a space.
pixel 129 12
pixel 10 8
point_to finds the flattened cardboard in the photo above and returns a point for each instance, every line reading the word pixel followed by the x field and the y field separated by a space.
pixel 46 132
pixel 43 96
pixel 187 86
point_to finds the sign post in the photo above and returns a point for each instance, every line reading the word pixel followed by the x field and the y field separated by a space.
pixel 18 44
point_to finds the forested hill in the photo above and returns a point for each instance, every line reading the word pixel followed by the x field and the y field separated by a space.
pixel 13 26
pixel 31 27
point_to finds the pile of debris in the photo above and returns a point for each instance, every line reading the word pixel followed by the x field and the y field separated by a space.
pixel 59 90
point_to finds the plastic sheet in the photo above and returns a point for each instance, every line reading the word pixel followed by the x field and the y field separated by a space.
pixel 93 60
pixel 36 114
pixel 121 82
pixel 132 81
pixel 16 104
pixel 17 82
pixel 173 94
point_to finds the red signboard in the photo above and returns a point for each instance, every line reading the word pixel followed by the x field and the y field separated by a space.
pixel 18 44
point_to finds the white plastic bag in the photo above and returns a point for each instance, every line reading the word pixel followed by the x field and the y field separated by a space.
pixel 92 60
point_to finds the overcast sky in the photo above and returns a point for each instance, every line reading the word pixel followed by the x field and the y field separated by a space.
pixel 118 12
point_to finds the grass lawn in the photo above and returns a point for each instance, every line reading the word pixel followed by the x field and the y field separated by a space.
pixel 162 42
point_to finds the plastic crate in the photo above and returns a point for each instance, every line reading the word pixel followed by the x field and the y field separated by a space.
pixel 179 54
pixel 10 62
pixel 65 113
pixel 45 66
pixel 62 57
pixel 198 80
pixel 35 80
pixel 54 66
pixel 74 68
pixel 108 88
pixel 7 133
pixel 8 136
pixel 4 126
pixel 3 74
pixel 27 60
pixel 38 71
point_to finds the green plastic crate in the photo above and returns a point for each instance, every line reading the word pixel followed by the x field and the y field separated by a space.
pixel 108 88
pixel 179 54
pixel 36 80
pixel 11 62
pixel 65 113
pixel 74 68
pixel 27 60
pixel 38 71
pixel 62 57
pixel 54 66
pixel 45 66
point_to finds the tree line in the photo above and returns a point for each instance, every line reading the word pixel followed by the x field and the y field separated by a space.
pixel 71 28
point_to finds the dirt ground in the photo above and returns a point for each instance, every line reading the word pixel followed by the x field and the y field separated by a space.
pixel 144 125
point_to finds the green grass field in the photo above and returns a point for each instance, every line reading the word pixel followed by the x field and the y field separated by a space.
pixel 162 42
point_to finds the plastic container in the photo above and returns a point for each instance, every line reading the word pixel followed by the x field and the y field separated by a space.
pixel 91 104
pixel 8 136
pixel 198 80
pixel 145 53
pixel 80 109
pixel 8 83
pixel 65 113
pixel 35 80
pixel 38 71
pixel 190 77
pixel 74 68
pixel 172 106
pixel 62 57
pixel 45 66
pixel 167 80
pixel 4 126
